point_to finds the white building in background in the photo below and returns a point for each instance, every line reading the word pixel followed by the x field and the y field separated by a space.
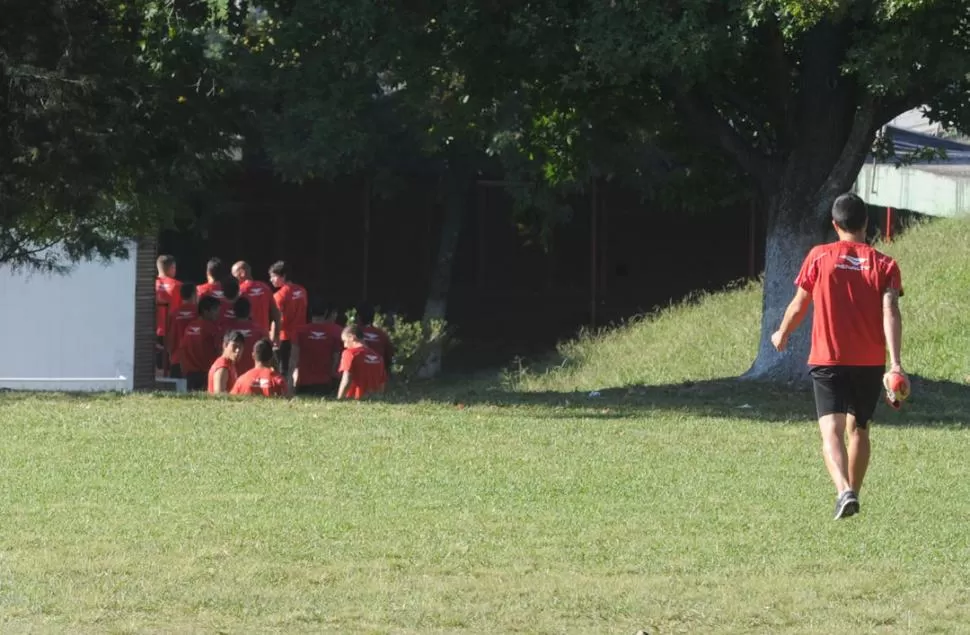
pixel 90 329
pixel 936 188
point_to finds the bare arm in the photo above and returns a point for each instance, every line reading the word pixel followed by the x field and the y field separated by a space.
pixel 794 314
pixel 344 384
pixel 221 382
pixel 892 325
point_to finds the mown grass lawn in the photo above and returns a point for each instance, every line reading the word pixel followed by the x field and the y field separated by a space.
pixel 670 509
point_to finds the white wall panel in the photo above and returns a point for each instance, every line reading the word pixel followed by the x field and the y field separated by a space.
pixel 73 331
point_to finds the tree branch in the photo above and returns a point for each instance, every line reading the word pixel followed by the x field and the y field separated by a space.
pixel 709 125
pixel 853 153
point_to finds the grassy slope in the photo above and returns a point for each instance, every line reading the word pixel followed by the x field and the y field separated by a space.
pixel 666 508
pixel 717 335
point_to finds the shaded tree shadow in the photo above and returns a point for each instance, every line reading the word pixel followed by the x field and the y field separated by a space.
pixel 933 403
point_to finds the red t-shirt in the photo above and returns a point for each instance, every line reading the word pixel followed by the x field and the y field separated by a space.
pixel 167 299
pixel 252 333
pixel 200 345
pixel 260 297
pixel 210 288
pixel 291 299
pixel 227 314
pixel 378 340
pixel 260 381
pixel 318 343
pixel 222 362
pixel 847 281
pixel 366 371
pixel 177 322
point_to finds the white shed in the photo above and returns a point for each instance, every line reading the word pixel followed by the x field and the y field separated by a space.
pixel 87 330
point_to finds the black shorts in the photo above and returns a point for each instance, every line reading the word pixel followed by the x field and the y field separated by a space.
pixel 175 371
pixel 159 352
pixel 851 390
pixel 283 357
pixel 196 381
pixel 317 390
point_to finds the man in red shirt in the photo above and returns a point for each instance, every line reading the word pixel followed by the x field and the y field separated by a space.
pixel 222 373
pixel 375 337
pixel 259 294
pixel 250 331
pixel 200 344
pixel 315 353
pixel 362 368
pixel 230 293
pixel 291 299
pixel 261 380
pixel 214 274
pixel 855 290
pixel 177 321
pixel 167 300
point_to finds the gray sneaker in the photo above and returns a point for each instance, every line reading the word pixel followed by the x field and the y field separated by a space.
pixel 847 504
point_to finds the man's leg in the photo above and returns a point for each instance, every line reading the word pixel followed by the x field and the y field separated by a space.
pixel 832 428
pixel 858 453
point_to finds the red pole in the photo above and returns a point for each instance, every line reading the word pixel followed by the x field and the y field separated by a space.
pixel 889 224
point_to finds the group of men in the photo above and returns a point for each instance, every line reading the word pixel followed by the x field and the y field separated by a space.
pixel 235 334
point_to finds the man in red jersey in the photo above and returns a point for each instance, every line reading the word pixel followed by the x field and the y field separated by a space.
pixel 315 353
pixel 291 299
pixel 214 274
pixel 177 321
pixel 259 294
pixel 362 368
pixel 230 293
pixel 200 344
pixel 262 379
pixel 250 331
pixel 223 373
pixel 167 300
pixel 375 337
pixel 855 290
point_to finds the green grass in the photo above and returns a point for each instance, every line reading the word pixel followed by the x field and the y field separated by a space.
pixel 675 507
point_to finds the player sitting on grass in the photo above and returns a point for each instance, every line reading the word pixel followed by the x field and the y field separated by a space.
pixel 263 379
pixel 362 368
pixel 855 290
pixel 222 374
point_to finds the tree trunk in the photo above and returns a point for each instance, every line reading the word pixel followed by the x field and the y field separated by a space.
pixel 436 306
pixel 787 243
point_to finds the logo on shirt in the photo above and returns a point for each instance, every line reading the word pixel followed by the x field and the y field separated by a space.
pixel 255 292
pixel 371 337
pixel 261 383
pixel 244 332
pixel 193 330
pixel 853 264
pixel 372 359
pixel 186 315
pixel 217 293
pixel 297 294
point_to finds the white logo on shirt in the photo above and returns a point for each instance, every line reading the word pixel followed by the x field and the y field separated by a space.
pixel 372 359
pixel 255 292
pixel 318 335
pixel 216 293
pixel 244 332
pixel 193 330
pixel 297 294
pixel 855 264
pixel 371 337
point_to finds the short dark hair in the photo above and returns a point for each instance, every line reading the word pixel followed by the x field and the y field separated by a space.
pixel 208 303
pixel 263 351
pixel 365 314
pixel 215 268
pixel 233 336
pixel 850 213
pixel 242 308
pixel 280 268
pixel 353 329
pixel 230 288
pixel 319 307
pixel 188 291
pixel 165 261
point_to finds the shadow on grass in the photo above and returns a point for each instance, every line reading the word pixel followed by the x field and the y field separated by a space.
pixel 933 403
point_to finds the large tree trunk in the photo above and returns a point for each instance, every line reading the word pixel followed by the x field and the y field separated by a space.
pixel 436 305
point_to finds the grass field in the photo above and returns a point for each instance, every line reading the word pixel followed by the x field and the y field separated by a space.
pixel 516 506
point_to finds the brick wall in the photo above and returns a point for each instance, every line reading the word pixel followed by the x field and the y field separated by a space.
pixel 145 273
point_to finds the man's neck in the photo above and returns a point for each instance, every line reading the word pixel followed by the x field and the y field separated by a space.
pixel 858 237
